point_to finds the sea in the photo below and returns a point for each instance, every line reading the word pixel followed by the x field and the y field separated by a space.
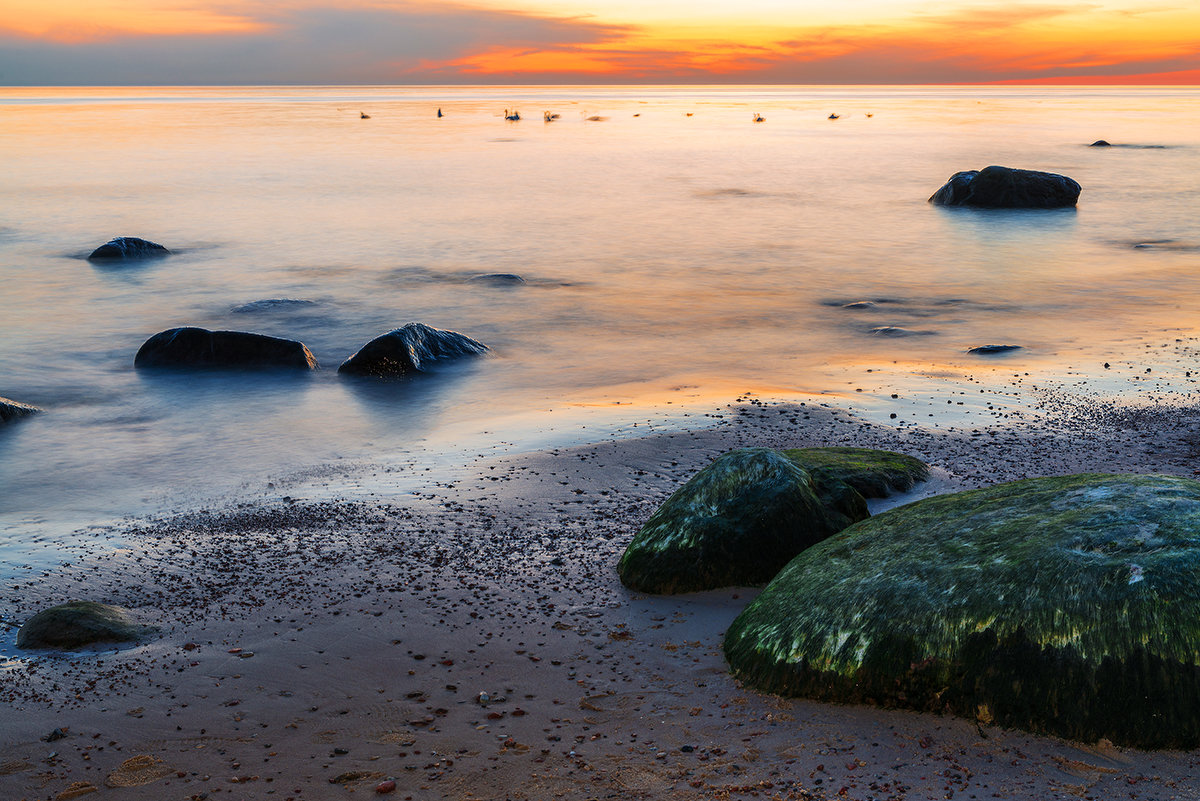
pixel 673 254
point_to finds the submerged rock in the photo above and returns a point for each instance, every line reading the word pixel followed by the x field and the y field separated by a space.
pixel 199 347
pixel 128 248
pixel 497 279
pixel 13 410
pixel 1004 187
pixel 987 350
pixel 79 623
pixel 1100 143
pixel 872 473
pixel 736 522
pixel 1066 605
pixel 412 348
pixel 895 331
pixel 270 304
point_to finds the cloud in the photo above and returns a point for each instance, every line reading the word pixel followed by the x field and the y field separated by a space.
pixel 410 42
pixel 306 45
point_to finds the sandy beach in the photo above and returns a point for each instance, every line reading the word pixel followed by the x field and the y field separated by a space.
pixel 472 641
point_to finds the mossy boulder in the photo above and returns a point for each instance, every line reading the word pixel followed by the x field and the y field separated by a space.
pixel 1067 605
pixel 874 474
pixel 79 623
pixel 736 522
pixel 13 410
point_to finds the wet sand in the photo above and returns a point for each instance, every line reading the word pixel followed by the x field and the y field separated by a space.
pixel 470 640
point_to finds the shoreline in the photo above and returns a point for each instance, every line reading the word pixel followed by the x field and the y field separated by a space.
pixel 310 647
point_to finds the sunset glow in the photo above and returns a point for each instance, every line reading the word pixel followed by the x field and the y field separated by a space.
pixel 564 41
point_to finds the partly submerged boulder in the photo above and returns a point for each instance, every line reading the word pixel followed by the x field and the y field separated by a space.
pixel 1006 188
pixel 874 474
pixel 128 248
pixel 412 348
pixel 13 410
pixel 992 350
pixel 79 623
pixel 1068 605
pixel 736 522
pixel 199 347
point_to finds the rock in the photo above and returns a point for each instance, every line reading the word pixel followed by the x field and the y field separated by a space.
pixel 895 331
pixel 128 248
pixel 199 347
pixel 1065 605
pixel 12 410
pixel 497 279
pixel 270 304
pixel 986 350
pixel 79 623
pixel 1005 188
pixel 412 348
pixel 860 304
pixel 1100 143
pixel 872 473
pixel 735 523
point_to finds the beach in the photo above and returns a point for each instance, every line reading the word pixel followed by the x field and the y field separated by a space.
pixel 471 640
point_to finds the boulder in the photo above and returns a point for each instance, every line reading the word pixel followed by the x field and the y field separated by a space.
pixel 128 248
pixel 412 348
pixel 991 350
pixel 1006 188
pixel 13 410
pixel 1066 605
pixel 199 347
pixel 1100 143
pixel 736 523
pixel 872 473
pixel 79 623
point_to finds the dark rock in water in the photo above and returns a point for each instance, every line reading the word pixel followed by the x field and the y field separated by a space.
pixel 1100 143
pixel 897 331
pixel 736 522
pixel 412 348
pixel 13 410
pixel 199 347
pixel 1065 605
pixel 987 350
pixel 497 279
pixel 128 248
pixel 1005 188
pixel 270 304
pixel 872 473
pixel 79 623
pixel 860 304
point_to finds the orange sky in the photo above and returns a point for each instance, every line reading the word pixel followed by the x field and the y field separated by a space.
pixel 565 41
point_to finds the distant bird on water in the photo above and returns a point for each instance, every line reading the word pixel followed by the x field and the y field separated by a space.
pixel 439 113
pixel 870 114
pixel 513 115
pixel 364 115
pixel 834 116
pixel 550 116
pixel 759 118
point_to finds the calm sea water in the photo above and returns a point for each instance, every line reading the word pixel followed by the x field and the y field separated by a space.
pixel 671 248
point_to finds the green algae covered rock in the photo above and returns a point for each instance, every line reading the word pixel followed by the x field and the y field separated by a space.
pixel 79 623
pixel 736 522
pixel 874 474
pixel 1067 605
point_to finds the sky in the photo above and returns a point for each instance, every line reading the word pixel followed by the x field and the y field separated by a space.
pixel 252 42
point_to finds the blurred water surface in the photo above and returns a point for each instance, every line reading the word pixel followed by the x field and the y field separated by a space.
pixel 666 241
